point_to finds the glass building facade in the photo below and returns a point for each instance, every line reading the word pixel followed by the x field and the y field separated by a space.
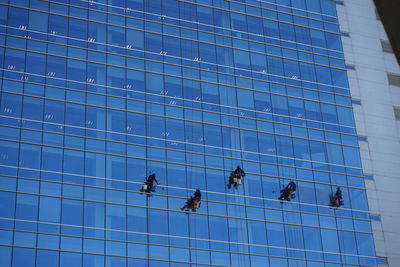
pixel 97 94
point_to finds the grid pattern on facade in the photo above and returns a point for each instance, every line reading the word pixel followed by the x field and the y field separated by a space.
pixel 95 95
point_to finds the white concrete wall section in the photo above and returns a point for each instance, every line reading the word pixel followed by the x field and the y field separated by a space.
pixel 375 119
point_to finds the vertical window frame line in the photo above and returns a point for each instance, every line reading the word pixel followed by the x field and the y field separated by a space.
pixel 167 178
pixel 63 134
pixel 42 138
pixel 85 153
pixel 230 40
pixel 18 163
pixel 105 145
pixel 126 140
pixel 248 233
pixel 196 50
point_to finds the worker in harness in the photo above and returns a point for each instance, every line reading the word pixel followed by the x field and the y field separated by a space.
pixel 236 177
pixel 288 192
pixel 193 203
pixel 148 185
pixel 336 200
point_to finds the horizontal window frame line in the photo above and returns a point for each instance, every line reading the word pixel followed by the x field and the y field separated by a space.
pixel 192 108
pixel 256 16
pixel 204 62
pixel 179 188
pixel 203 24
pixel 163 245
pixel 188 120
pixel 184 59
pixel 184 237
pixel 173 149
pixel 178 197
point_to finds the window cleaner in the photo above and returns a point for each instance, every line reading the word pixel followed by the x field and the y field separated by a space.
pixel 336 200
pixel 235 178
pixel 288 192
pixel 148 186
pixel 193 203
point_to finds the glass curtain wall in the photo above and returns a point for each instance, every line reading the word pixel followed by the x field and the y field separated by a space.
pixel 96 95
